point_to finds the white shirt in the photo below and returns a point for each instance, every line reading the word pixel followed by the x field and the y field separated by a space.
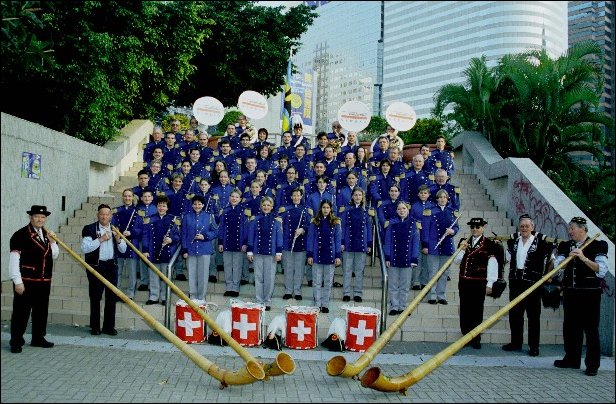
pixel 106 247
pixel 492 264
pixel 523 251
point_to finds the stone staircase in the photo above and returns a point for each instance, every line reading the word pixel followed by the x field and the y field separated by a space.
pixel 69 302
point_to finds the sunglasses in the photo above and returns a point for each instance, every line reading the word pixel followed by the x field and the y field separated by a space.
pixel 475 226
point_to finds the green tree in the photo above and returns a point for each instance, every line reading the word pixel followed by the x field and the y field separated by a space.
pixel 425 131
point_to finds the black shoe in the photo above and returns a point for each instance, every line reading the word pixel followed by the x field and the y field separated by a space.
pixel 443 302
pixel 309 283
pixel 534 352
pixel 337 284
pixel 432 301
pixel 416 287
pixel 95 332
pixel 287 296
pixel 357 299
pixel 42 343
pixel 180 277
pixel 324 310
pixel 142 288
pixel 162 302
pixel 150 302
pixel 16 349
pixel 422 286
pixel 228 293
pixel 113 331
pixel 563 364
pixel 298 297
pixel 220 268
pixel 448 278
pixel 393 312
pixel 268 308
pixel 476 344
pixel 590 372
pixel 346 298
pixel 235 294
pixel 212 279
pixel 511 347
pixel 243 282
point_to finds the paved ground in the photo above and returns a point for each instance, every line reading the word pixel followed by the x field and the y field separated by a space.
pixel 141 366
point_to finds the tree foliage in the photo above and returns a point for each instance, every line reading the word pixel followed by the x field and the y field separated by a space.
pixel 531 105
pixel 117 61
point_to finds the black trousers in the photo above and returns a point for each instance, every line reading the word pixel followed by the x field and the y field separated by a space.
pixel 582 311
pixel 532 306
pixel 472 297
pixel 35 299
pixel 109 270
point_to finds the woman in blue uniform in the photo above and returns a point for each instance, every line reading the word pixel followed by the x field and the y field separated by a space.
pixel 126 219
pixel 232 242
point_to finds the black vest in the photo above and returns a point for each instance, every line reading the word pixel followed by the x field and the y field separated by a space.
pixel 578 275
pixel 90 230
pixel 35 261
pixel 474 265
pixel 534 266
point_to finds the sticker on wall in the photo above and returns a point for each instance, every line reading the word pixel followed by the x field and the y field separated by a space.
pixel 31 165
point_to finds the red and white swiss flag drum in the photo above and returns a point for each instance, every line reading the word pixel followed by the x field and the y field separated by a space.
pixel 189 326
pixel 246 318
pixel 362 327
pixel 301 328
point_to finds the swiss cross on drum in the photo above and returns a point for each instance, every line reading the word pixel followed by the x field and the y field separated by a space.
pixel 301 331
pixel 361 331
pixel 189 326
pixel 246 325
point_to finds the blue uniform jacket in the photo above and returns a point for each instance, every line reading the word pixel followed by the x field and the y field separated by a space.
pixel 324 241
pixel 156 228
pixel 443 159
pixel 223 192
pixel 313 200
pixel 127 218
pixel 402 242
pixel 410 183
pixel 453 191
pixel 356 228
pixel 232 229
pixel 379 187
pixel 198 223
pixel 283 193
pixel 435 222
pixel 294 217
pixel 264 235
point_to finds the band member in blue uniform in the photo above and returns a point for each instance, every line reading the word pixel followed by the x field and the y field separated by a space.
pixel 529 252
pixel 30 270
pixel 313 201
pixel 401 252
pixel 581 279
pixel 145 208
pixel 160 240
pixel 129 223
pixel 232 242
pixel 283 191
pixel 295 220
pixel 478 272
pixel 198 230
pixel 264 249
pixel 440 182
pixel 323 252
pixel 420 274
pixel 380 183
pixel 412 179
pixel 356 243
pixel 101 248
pixel 443 158
pixel 438 227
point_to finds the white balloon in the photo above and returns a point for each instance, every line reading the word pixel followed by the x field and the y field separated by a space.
pixel 208 110
pixel 401 116
pixel 252 104
pixel 354 116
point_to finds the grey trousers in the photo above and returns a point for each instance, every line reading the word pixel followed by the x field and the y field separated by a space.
pixel 420 272
pixel 198 274
pixel 265 275
pixel 127 274
pixel 293 264
pixel 158 288
pixel 233 261
pixel 435 262
pixel 353 262
pixel 322 274
pixel 398 282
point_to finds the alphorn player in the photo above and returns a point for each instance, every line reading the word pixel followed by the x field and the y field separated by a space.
pixel 478 272
pixel 529 253
pixel 581 279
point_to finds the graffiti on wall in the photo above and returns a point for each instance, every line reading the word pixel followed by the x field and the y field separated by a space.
pixel 547 221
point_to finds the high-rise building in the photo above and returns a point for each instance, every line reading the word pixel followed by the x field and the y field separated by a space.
pixel 386 51
pixel 594 21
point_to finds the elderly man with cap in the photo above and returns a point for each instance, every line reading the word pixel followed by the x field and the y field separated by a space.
pixel 478 272
pixel 30 269
pixel 581 279
pixel 530 252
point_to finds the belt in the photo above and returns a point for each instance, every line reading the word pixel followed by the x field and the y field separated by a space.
pixel 105 261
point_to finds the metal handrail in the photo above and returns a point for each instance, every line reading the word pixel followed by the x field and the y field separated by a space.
pixel 379 244
pixel 167 314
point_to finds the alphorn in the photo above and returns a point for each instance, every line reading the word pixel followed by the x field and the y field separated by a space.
pixel 375 379
pixel 249 374
pixel 283 364
pixel 337 366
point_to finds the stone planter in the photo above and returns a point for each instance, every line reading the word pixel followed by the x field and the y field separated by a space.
pixel 212 142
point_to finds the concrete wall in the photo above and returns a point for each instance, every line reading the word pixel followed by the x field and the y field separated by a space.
pixel 518 186
pixel 70 168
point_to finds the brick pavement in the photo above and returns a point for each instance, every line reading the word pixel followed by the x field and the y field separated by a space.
pixel 142 367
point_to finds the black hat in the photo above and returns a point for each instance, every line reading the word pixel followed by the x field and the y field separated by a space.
pixel 477 221
pixel 578 220
pixel 38 210
pixel 524 216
